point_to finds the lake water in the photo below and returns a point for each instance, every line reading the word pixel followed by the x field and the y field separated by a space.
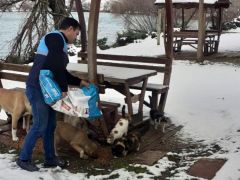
pixel 10 22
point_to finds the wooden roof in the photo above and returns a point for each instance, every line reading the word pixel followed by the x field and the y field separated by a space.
pixel 195 3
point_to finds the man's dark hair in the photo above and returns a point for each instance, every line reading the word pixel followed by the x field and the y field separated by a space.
pixel 67 22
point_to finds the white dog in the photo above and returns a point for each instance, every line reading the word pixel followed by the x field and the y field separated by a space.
pixel 120 130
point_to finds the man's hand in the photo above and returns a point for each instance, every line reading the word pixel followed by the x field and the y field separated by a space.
pixel 84 83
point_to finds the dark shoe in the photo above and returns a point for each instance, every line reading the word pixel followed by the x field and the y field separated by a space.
pixel 27 165
pixel 55 162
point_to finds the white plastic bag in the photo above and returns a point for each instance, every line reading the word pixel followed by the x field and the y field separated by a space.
pixel 78 101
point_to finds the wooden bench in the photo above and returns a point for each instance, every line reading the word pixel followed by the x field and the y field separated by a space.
pixel 161 65
pixel 14 72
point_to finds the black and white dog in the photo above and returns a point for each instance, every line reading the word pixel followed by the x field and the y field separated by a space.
pixel 158 119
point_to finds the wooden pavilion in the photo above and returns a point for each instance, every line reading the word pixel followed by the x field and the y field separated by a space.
pixel 118 72
pixel 121 73
pixel 206 41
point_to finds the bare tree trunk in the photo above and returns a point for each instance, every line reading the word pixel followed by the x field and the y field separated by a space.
pixel 83 25
pixel 58 11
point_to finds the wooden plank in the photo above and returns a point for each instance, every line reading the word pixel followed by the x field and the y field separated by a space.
pixel 155 138
pixel 151 87
pixel 107 103
pixel 13 77
pixel 5 128
pixel 137 66
pixel 15 67
pixel 142 95
pixel 111 73
pixel 84 75
pixel 3 122
pixel 150 151
pixel 159 23
pixel 142 59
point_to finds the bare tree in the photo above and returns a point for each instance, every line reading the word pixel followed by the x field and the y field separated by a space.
pixel 44 15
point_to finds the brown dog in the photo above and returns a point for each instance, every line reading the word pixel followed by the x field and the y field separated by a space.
pixel 77 138
pixel 16 103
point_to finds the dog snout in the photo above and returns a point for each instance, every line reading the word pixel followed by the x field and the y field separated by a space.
pixel 110 140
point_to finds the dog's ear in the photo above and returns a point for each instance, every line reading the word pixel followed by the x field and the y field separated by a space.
pixel 123 111
pixel 128 117
pixel 124 114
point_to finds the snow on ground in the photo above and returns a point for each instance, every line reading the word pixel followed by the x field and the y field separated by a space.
pixel 203 98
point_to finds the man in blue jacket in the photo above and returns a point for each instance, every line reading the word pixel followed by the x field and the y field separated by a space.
pixel 52 55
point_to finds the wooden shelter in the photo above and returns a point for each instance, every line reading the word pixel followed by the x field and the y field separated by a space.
pixel 118 72
pixel 206 41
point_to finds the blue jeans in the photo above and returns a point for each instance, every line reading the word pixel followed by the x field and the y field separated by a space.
pixel 44 124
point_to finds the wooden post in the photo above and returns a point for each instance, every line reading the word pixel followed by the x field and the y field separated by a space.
pixel 159 25
pixel 168 50
pixel 183 19
pixel 219 24
pixel 201 30
pixel 169 43
pixel 83 25
pixel 1 86
pixel 164 29
pixel 92 40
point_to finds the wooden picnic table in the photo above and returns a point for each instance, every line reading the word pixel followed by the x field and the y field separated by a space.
pixel 120 79
pixel 191 38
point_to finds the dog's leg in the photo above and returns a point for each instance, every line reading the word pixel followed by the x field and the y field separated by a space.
pixel 79 149
pixel 24 123
pixel 163 125
pixel 138 147
pixel 14 135
pixel 27 122
pixel 15 118
pixel 125 153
